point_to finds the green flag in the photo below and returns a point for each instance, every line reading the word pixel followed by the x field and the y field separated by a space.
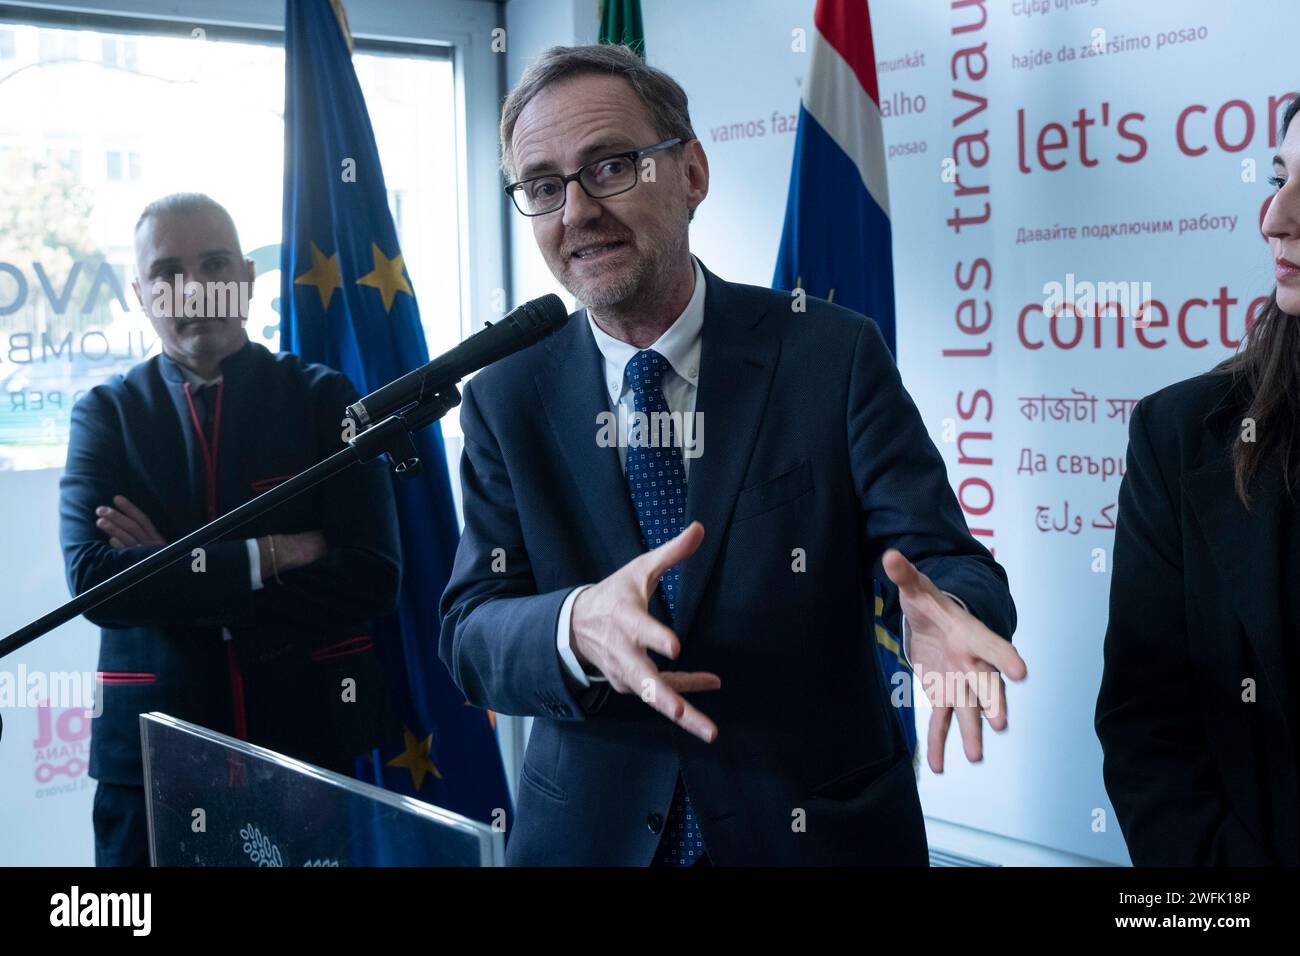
pixel 620 22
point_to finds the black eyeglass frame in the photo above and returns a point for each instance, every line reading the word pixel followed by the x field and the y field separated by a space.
pixel 631 155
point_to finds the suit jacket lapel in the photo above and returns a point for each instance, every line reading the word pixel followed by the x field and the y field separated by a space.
pixel 736 366
pixel 239 373
pixel 572 393
pixel 177 447
pixel 1245 548
pixel 737 361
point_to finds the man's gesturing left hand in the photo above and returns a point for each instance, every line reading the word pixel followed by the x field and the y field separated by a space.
pixel 959 661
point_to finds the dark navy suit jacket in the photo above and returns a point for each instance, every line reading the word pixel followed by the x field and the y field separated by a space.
pixel 294 642
pixel 810 442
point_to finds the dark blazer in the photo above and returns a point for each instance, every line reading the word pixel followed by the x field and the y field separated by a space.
pixel 1196 774
pixel 293 642
pixel 810 442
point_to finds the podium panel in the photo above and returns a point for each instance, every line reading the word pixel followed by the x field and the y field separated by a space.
pixel 213 800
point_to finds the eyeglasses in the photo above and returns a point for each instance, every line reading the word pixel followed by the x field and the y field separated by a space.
pixel 599 179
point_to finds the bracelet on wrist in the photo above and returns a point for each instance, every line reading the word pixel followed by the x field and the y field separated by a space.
pixel 275 566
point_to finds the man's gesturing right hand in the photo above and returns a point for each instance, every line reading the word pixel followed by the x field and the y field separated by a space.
pixel 611 630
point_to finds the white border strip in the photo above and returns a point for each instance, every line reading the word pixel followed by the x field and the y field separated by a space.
pixel 997 849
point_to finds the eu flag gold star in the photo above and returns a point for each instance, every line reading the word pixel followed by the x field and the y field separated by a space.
pixel 415 758
pixel 388 277
pixel 798 284
pixel 323 274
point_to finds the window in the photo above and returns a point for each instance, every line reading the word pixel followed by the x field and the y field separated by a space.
pixel 119 53
pixel 121 164
pixel 69 200
pixel 65 155
pixel 395 208
pixel 6 44
pixel 57 44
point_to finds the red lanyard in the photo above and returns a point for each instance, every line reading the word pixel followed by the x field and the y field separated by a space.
pixel 210 488
pixel 209 453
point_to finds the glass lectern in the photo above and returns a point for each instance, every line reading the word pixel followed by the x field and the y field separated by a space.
pixel 213 800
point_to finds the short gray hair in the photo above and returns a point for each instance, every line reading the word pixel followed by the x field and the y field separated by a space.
pixel 662 96
pixel 186 203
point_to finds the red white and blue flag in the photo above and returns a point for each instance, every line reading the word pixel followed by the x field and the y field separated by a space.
pixel 836 241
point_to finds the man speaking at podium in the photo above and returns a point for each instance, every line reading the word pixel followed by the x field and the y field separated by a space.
pixel 264 638
pixel 688 620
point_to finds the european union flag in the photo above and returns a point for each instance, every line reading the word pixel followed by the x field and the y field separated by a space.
pixel 836 242
pixel 347 301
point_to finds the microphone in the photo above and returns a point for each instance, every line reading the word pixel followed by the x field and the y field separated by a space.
pixel 530 323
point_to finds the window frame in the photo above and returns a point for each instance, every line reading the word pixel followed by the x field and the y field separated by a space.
pixel 461 32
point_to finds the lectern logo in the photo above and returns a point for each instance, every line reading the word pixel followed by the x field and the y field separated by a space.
pixel 261 850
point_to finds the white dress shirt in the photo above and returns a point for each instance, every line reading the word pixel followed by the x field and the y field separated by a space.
pixel 680 347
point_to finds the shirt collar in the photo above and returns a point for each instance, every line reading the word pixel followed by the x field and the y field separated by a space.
pixel 174 371
pixel 679 344
pixel 193 377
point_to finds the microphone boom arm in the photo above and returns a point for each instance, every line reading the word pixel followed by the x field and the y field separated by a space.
pixel 390 437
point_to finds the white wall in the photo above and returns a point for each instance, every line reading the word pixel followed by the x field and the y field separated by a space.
pixel 531 27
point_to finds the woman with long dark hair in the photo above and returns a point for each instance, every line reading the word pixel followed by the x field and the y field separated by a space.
pixel 1197 713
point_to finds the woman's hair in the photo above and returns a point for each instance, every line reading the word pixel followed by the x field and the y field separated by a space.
pixel 1267 370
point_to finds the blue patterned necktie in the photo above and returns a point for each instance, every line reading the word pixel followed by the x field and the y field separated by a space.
pixel 656 479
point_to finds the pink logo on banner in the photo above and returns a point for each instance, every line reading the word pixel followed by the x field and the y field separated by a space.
pixel 60 748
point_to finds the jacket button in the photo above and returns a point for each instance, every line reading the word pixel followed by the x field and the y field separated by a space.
pixel 655 822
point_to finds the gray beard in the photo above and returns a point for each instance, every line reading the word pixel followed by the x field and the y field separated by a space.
pixel 606 295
